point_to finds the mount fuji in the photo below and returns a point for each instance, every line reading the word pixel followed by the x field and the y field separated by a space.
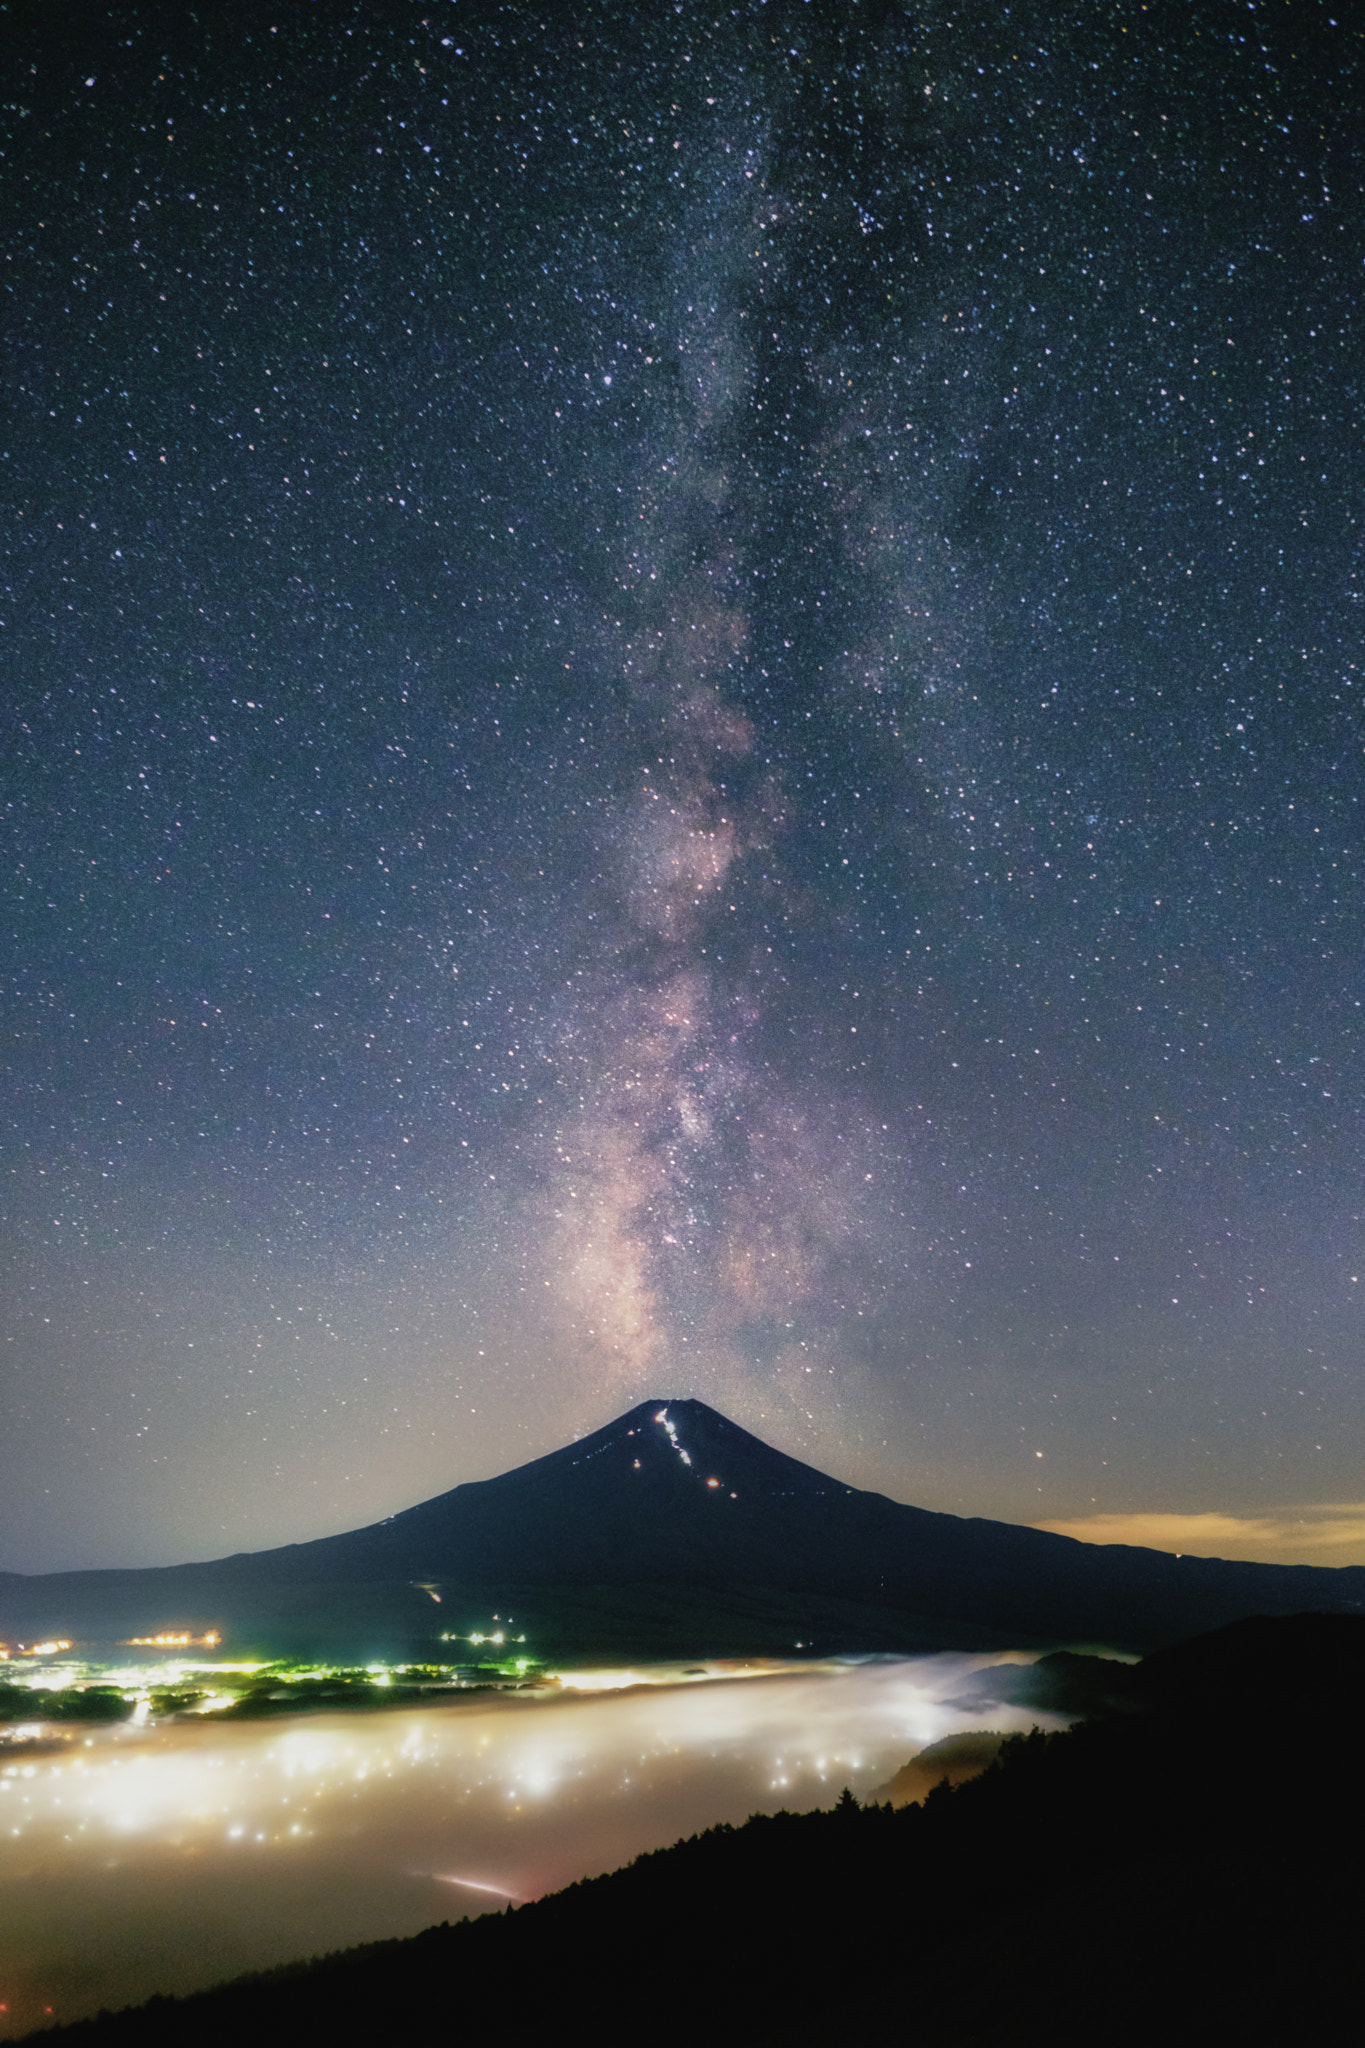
pixel 672 1532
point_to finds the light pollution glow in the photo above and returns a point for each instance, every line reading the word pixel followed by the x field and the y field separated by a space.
pixel 143 1859
pixel 1326 1533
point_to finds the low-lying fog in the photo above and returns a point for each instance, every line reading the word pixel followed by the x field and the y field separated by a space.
pixel 135 1860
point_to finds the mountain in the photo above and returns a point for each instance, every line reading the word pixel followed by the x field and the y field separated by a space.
pixel 673 1532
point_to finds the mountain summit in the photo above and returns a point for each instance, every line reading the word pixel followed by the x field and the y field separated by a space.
pixel 672 1531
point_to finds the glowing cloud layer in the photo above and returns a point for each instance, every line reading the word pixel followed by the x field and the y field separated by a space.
pixel 163 1859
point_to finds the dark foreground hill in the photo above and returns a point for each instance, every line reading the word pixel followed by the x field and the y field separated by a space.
pixel 1183 1868
pixel 672 1532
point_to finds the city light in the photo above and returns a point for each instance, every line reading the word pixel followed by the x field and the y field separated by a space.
pixel 324 1828
pixel 173 1640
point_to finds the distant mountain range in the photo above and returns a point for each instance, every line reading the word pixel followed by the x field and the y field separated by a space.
pixel 673 1532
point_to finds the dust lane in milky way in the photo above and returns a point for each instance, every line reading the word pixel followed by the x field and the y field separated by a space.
pixel 682 712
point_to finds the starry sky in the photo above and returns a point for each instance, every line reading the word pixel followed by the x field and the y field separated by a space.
pixel 682 715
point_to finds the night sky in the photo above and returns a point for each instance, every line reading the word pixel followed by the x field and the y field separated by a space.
pixel 682 715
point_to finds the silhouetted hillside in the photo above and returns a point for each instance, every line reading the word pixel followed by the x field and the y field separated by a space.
pixel 674 1532
pixel 954 1759
pixel 1181 1869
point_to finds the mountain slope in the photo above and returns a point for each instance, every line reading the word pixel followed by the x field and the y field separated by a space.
pixel 672 1508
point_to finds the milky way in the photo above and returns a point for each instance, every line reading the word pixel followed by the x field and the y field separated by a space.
pixel 682 717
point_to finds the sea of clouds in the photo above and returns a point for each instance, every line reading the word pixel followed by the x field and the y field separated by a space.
pixel 165 1858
